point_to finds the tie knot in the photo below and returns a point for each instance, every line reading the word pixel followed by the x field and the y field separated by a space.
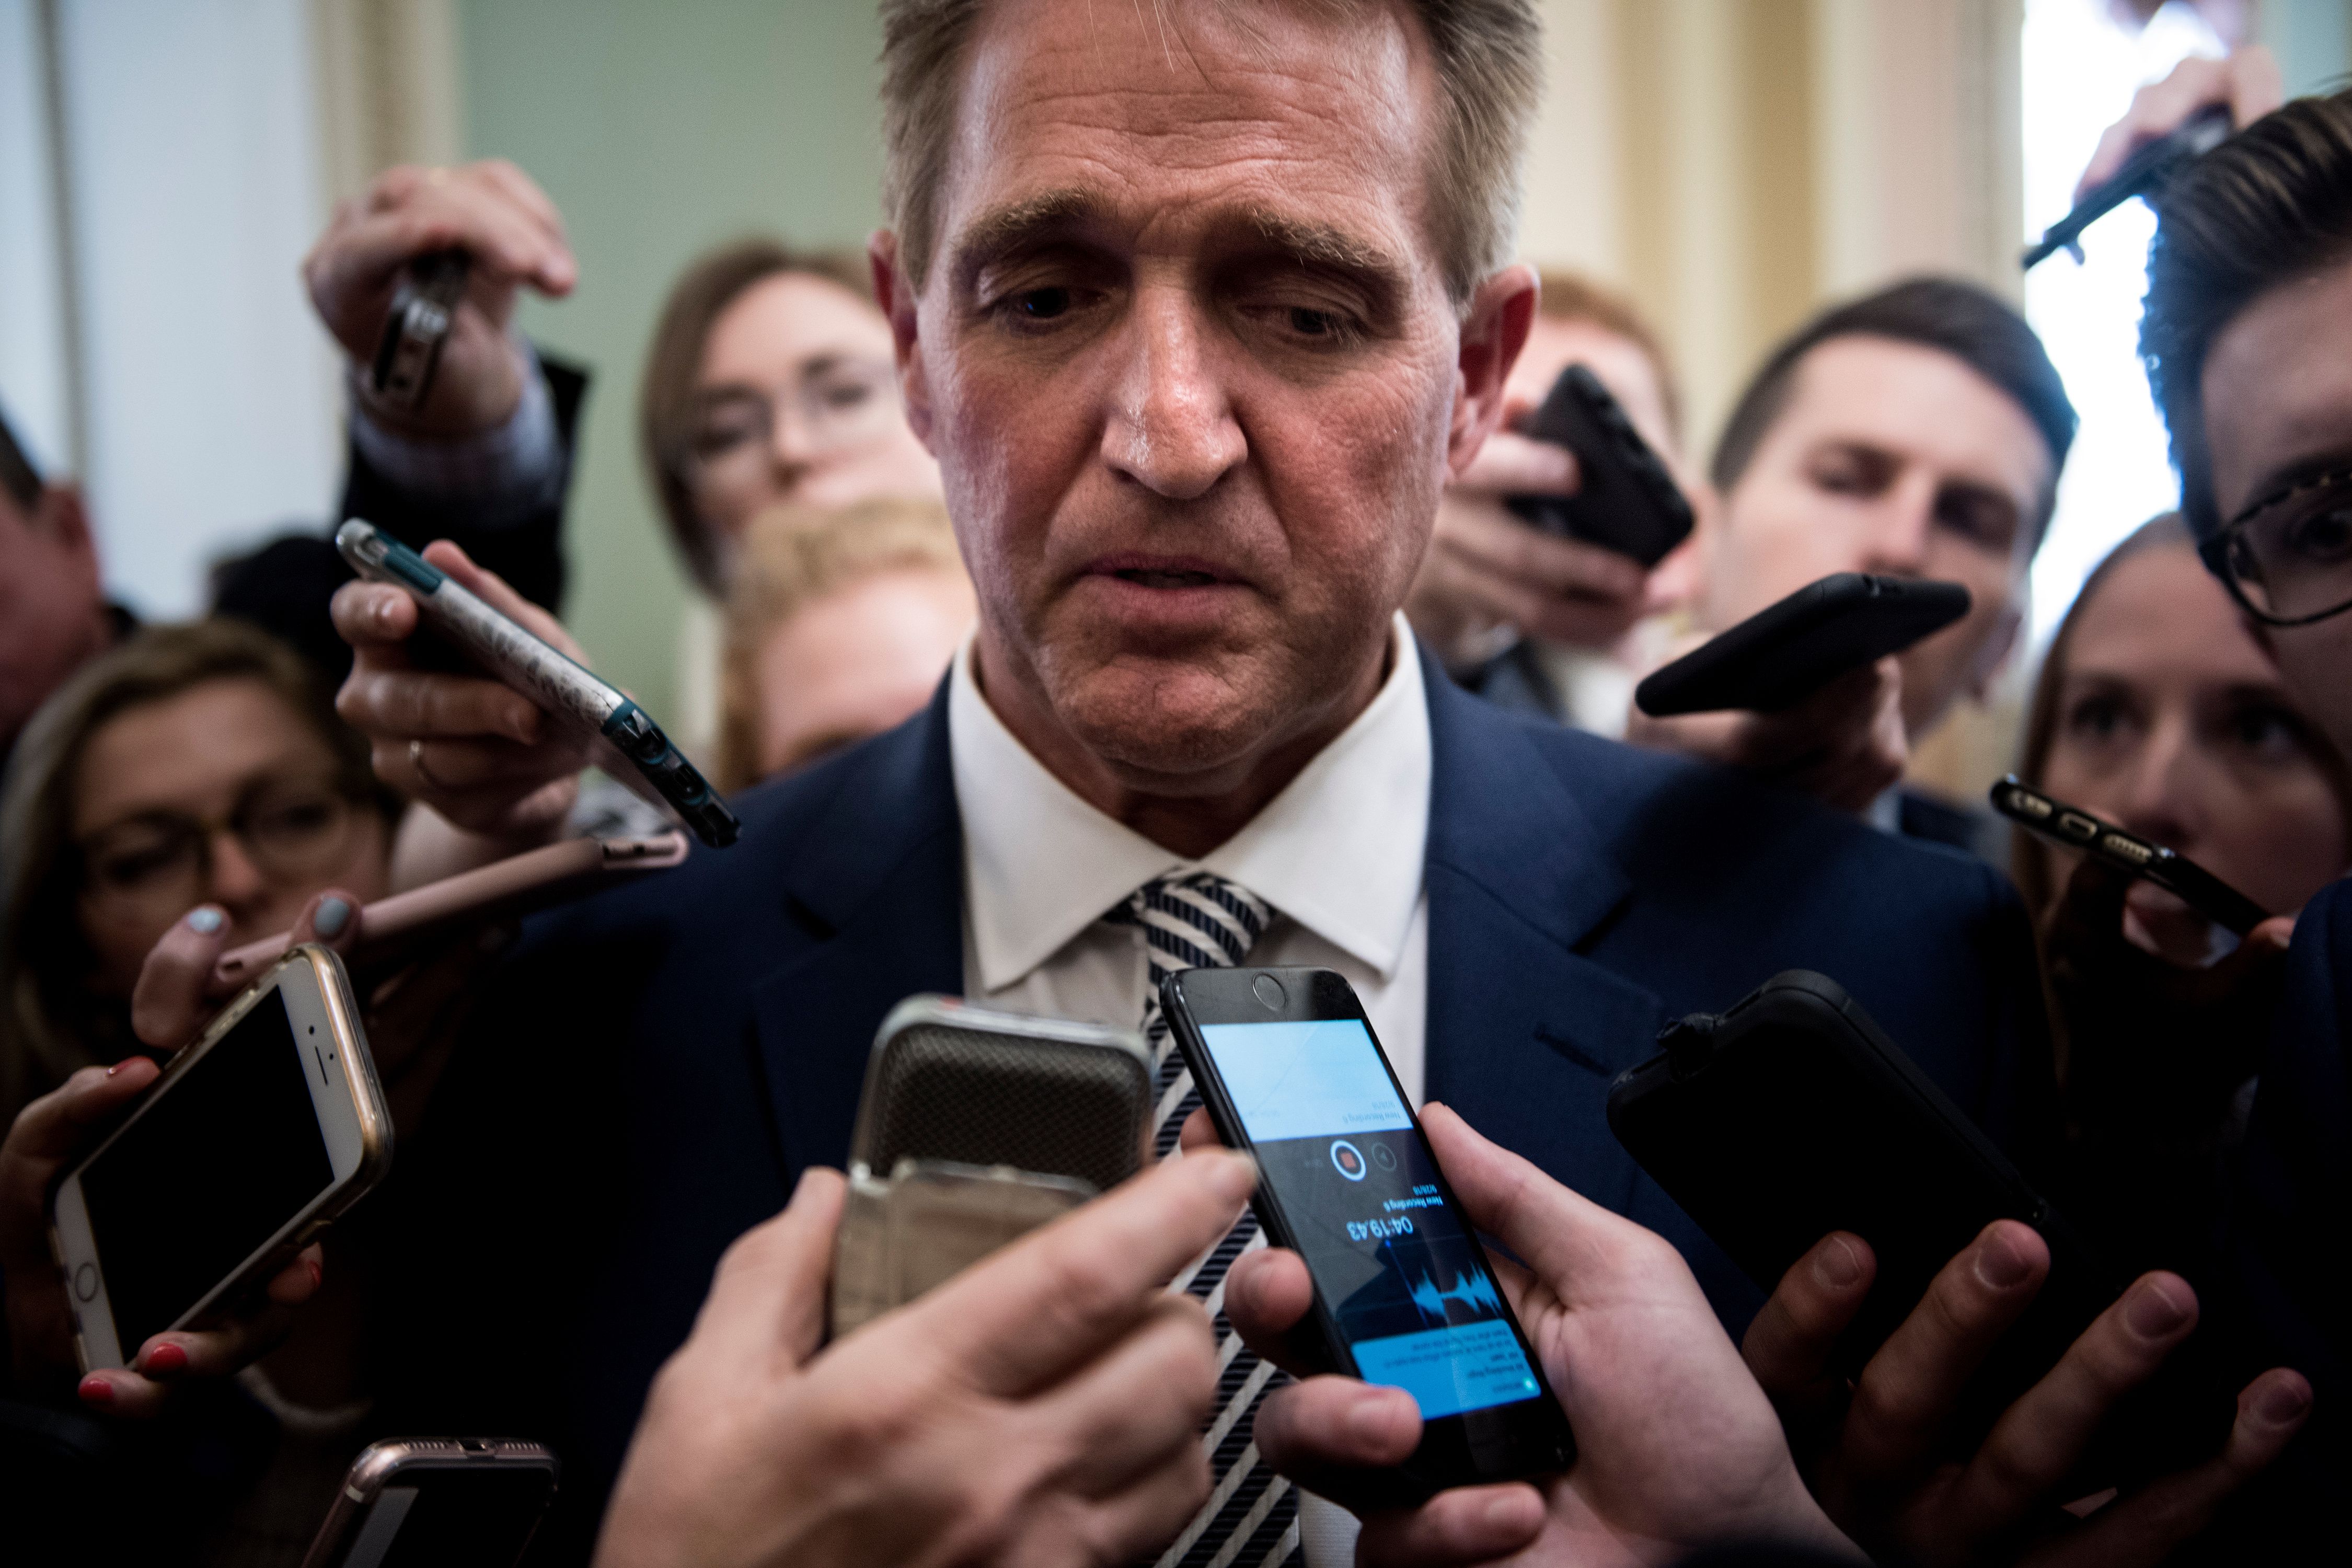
pixel 1197 921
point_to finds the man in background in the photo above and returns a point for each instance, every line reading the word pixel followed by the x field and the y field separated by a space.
pixel 53 611
pixel 1528 620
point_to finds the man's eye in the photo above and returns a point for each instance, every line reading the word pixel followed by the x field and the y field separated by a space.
pixel 1310 323
pixel 1041 304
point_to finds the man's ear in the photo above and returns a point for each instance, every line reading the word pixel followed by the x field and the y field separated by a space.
pixel 1493 332
pixel 1998 646
pixel 895 294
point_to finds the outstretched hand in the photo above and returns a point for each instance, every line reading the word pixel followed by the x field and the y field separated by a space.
pixel 1875 1454
pixel 1677 1446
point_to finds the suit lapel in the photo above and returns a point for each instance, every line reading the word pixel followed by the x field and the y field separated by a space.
pixel 878 886
pixel 1525 1032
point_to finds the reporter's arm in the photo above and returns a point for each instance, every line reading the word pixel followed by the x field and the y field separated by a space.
pixel 2248 81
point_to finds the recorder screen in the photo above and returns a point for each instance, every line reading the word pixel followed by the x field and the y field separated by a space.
pixel 214 1168
pixel 1404 1278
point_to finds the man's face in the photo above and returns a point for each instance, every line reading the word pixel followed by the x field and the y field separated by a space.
pixel 51 607
pixel 1894 459
pixel 2277 388
pixel 1187 361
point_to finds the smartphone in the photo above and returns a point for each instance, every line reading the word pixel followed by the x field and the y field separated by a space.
pixel 975 1127
pixel 1786 651
pixel 256 1138
pixel 424 308
pixel 437 1502
pixel 393 929
pixel 1290 1071
pixel 562 688
pixel 1793 1115
pixel 2143 174
pixel 2071 827
pixel 1625 499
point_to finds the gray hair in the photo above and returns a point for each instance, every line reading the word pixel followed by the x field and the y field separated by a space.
pixel 1489 57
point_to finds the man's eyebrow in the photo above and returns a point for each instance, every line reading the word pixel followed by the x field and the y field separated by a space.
pixel 1023 222
pixel 1323 245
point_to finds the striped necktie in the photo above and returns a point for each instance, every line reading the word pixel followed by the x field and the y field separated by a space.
pixel 1251 1521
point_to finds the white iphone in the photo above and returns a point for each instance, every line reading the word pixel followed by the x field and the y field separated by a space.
pixel 255 1138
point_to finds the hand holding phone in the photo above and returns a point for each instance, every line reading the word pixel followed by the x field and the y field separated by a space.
pixel 1404 1295
pixel 1625 499
pixel 1679 1449
pixel 2118 849
pixel 1788 651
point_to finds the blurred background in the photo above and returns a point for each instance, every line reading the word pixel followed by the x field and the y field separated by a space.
pixel 1730 164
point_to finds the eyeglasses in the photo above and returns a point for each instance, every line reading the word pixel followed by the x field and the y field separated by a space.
pixel 837 404
pixel 158 865
pixel 2287 558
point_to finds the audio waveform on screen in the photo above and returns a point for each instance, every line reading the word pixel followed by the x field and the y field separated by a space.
pixel 1471 1289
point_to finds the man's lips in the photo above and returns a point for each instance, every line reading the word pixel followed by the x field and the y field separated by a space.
pixel 1163 572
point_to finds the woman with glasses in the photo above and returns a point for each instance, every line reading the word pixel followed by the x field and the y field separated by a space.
pixel 197 765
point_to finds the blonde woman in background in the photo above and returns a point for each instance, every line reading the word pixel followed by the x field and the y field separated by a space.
pixel 839 625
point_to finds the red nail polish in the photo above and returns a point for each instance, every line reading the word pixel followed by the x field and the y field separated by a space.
pixel 166 1359
pixel 317 1273
pixel 96 1390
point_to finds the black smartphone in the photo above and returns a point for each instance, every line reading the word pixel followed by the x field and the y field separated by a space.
pixel 424 308
pixel 436 1502
pixel 1793 1115
pixel 1290 1071
pixel 1625 499
pixel 1785 652
pixel 2071 827
pixel 2143 174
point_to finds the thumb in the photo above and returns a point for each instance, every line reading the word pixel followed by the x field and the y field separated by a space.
pixel 168 1004
pixel 770 1290
pixel 1548 1226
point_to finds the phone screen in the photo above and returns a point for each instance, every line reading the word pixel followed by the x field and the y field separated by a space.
pixel 214 1168
pixel 453 1519
pixel 1403 1277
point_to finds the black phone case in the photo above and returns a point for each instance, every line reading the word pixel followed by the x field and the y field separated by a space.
pixel 1793 1115
pixel 1625 501
pixel 1784 653
pixel 1500 1444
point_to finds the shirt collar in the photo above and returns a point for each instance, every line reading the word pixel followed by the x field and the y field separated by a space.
pixel 1339 850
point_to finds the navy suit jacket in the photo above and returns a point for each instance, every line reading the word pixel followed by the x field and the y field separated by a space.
pixel 651 1071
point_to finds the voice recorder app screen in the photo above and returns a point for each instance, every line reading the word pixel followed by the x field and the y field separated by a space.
pixel 1407 1283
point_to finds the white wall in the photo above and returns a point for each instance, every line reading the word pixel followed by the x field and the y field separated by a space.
pixel 211 403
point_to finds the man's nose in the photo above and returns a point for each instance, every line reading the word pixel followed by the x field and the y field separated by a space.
pixel 1899 532
pixel 1171 427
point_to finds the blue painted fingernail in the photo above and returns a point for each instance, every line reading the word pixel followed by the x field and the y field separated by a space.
pixel 333 914
pixel 205 920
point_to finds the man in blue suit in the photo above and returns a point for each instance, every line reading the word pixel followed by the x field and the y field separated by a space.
pixel 1198 338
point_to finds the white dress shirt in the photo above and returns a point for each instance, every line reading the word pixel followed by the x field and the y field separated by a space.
pixel 1338 854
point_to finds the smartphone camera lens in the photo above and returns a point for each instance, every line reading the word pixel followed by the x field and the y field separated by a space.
pixel 1268 990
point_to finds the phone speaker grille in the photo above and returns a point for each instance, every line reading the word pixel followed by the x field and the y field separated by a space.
pixel 983 1098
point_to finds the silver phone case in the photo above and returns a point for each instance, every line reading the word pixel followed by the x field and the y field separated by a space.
pixel 974 1128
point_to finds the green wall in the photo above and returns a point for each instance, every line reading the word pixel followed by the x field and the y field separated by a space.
pixel 659 130
pixel 2313 40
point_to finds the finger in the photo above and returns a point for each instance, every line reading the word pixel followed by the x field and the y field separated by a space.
pixel 1522 553
pixel 1052 1299
pixel 769 1293
pixel 1268 1294
pixel 419 704
pixel 1580 622
pixel 1788 1346
pixel 493 590
pixel 1467 1524
pixel 1906 1392
pixel 331 919
pixel 2257 85
pixel 2278 931
pixel 169 1005
pixel 1130 1410
pixel 2041 1436
pixel 1133 1524
pixel 375 618
pixel 1326 1433
pixel 119 1391
pixel 1512 464
pixel 2149 1525
pixel 221 1351
pixel 1549 1228
pixel 1198 1131
pixel 52 1127
pixel 452 764
pixel 299 1279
